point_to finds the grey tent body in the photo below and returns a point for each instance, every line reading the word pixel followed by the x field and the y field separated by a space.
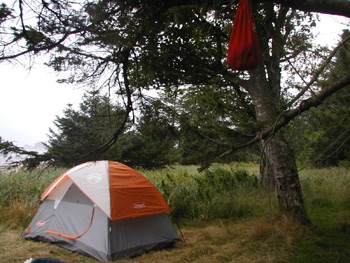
pixel 78 224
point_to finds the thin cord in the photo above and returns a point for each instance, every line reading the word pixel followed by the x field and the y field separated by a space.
pixel 178 227
pixel 269 185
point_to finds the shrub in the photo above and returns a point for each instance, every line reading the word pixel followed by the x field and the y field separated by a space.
pixel 215 194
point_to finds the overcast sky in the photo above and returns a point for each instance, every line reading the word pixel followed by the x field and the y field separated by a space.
pixel 30 101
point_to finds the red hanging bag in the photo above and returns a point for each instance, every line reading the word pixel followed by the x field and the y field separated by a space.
pixel 243 50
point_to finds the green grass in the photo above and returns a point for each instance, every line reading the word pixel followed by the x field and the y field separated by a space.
pixel 20 194
pixel 25 187
pixel 327 197
pixel 224 192
pixel 323 245
pixel 223 212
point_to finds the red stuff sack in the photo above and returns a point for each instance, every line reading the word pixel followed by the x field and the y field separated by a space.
pixel 243 50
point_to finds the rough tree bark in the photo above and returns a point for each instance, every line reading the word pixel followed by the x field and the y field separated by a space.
pixel 279 166
pixel 282 162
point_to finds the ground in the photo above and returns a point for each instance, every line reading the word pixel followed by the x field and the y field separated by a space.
pixel 258 240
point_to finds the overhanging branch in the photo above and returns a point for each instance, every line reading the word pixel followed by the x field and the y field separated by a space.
pixel 331 7
pixel 319 71
pixel 129 109
pixel 289 115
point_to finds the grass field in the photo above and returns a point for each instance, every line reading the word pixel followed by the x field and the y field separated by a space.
pixel 223 215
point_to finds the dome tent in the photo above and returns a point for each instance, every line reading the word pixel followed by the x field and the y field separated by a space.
pixel 103 209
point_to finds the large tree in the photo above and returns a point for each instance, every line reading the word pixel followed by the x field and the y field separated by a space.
pixel 136 45
pixel 80 132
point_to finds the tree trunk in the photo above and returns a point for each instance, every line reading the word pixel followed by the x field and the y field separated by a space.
pixel 289 193
pixel 266 174
pixel 279 164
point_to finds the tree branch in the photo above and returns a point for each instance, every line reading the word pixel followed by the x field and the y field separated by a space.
pixel 8 148
pixel 129 108
pixel 319 71
pixel 331 7
pixel 49 45
pixel 287 116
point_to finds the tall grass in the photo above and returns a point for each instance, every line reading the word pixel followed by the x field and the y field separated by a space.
pixel 327 196
pixel 20 194
pixel 219 193
pixel 25 187
pixel 223 192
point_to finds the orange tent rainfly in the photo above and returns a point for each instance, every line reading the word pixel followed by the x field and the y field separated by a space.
pixel 103 209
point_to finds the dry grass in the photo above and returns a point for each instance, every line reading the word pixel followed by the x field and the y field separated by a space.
pixel 15 215
pixel 258 240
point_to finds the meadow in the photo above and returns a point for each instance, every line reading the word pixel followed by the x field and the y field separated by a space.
pixel 222 214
